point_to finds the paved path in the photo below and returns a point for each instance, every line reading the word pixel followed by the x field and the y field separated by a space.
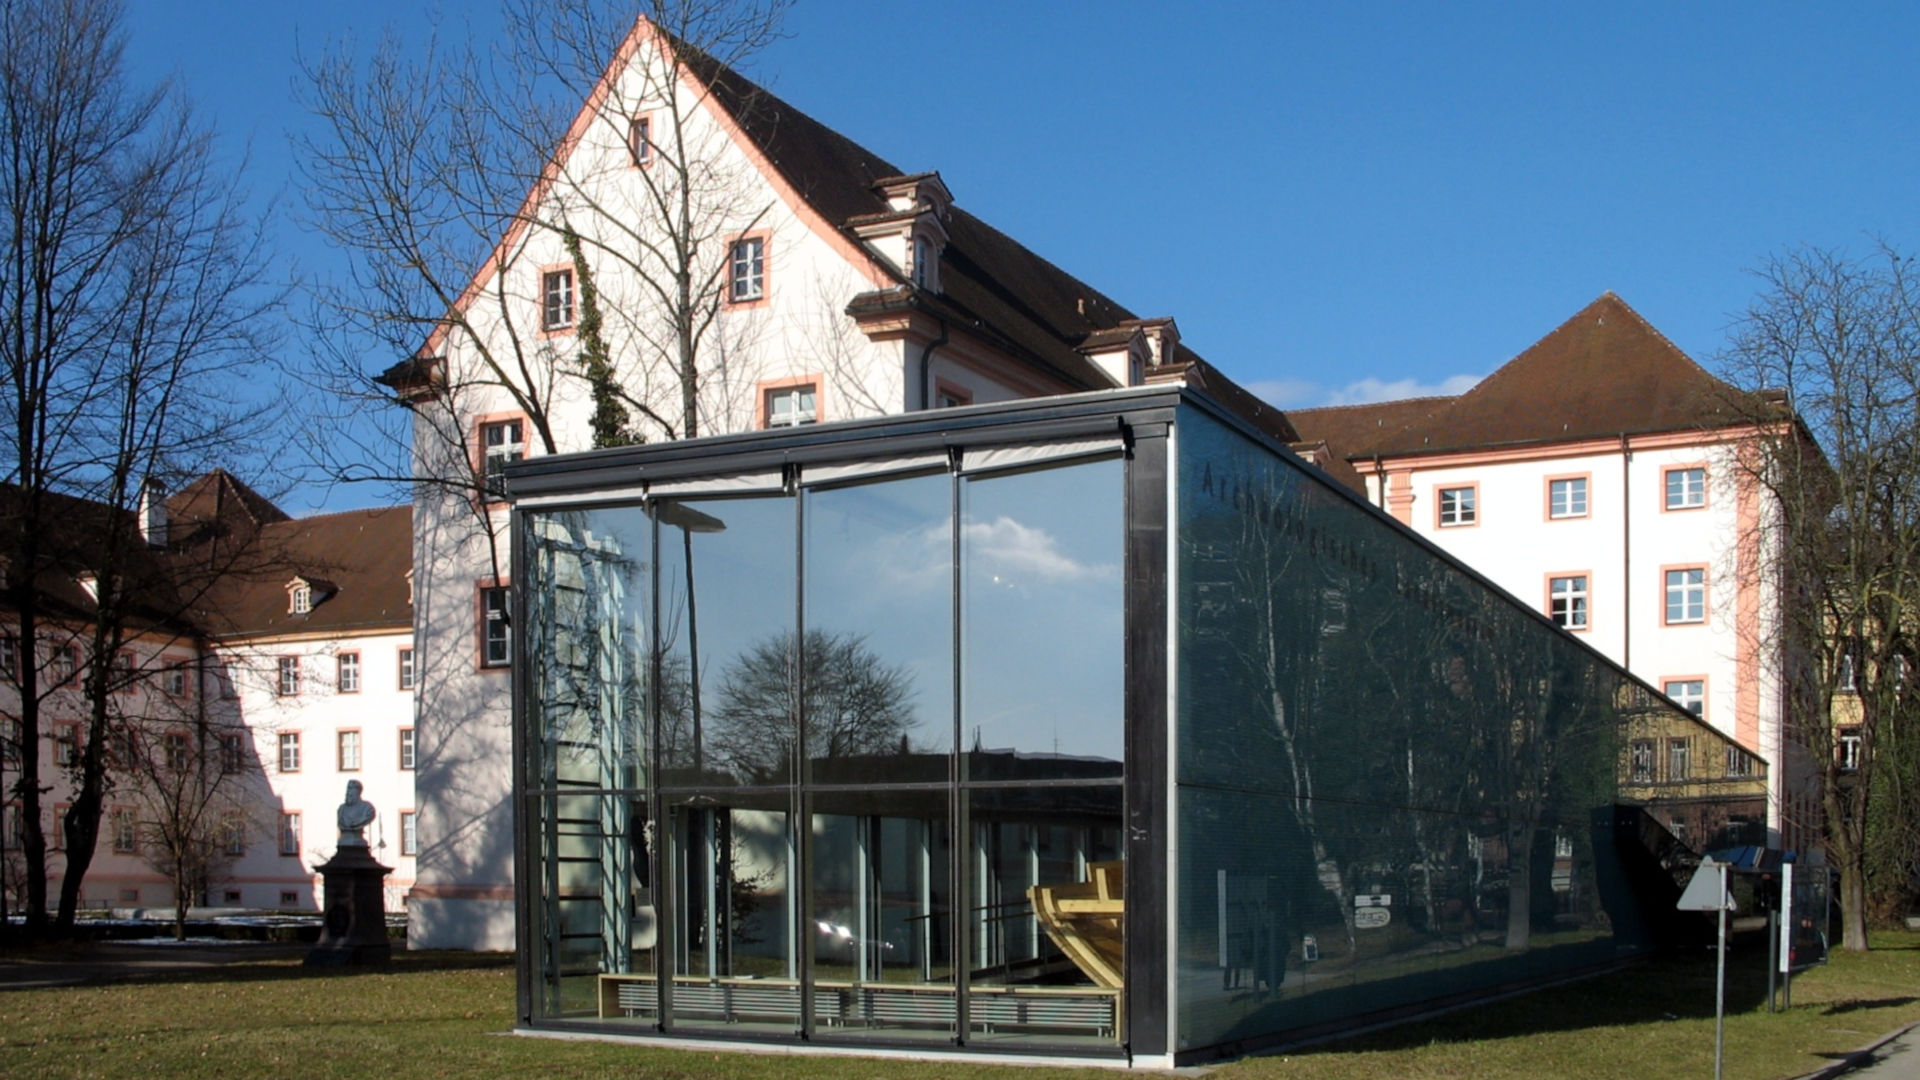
pixel 112 961
pixel 1896 1060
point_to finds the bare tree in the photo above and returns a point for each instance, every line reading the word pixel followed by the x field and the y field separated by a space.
pixel 435 163
pixel 132 292
pixel 188 778
pixel 1838 341
pixel 854 704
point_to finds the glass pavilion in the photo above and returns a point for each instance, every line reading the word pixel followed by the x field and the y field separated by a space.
pixel 1101 726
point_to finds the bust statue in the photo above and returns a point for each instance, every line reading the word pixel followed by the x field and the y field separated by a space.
pixel 354 816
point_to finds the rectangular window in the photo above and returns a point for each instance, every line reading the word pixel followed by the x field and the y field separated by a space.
pixel 11 733
pixel 290 833
pixel 1739 763
pixel 1847 679
pixel 1686 488
pixel 233 752
pixel 1459 506
pixel 66 744
pixel 496 642
pixel 233 835
pixel 1689 694
pixel 174 744
pixel 747 270
pixel 289 898
pixel 9 656
pixel 640 140
pixel 66 665
pixel 13 828
pixel 1847 747
pixel 174 680
pixel 349 673
pixel 1640 761
pixel 1679 759
pixel 1567 601
pixel 406 669
pixel 406 748
pixel 501 443
pixel 126 835
pixel 409 833
pixel 556 299
pixel 1567 498
pixel 232 896
pixel 349 744
pixel 1686 595
pixel 791 406
pixel 289 683
pixel 124 675
pixel 289 751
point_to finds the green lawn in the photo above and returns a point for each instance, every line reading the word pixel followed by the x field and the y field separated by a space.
pixel 441 1016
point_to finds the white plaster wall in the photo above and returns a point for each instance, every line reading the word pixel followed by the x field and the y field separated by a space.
pixel 378 711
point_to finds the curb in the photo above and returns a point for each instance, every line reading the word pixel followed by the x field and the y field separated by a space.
pixel 1856 1058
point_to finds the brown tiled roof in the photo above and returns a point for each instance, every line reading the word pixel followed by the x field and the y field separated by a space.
pixel 1603 373
pixel 992 285
pixel 1352 431
pixel 218 504
pixel 356 560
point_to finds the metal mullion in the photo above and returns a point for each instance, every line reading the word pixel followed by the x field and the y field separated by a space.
pixel 660 869
pixel 801 813
pixel 960 832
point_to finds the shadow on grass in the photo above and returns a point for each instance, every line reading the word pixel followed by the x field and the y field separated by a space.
pixel 98 964
pixel 1876 1003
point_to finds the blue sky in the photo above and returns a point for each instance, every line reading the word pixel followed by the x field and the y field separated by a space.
pixel 1336 201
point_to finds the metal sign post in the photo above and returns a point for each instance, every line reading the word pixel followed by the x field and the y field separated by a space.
pixel 1786 937
pixel 1708 892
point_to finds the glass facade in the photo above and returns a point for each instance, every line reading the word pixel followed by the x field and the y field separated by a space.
pixel 1005 736
pixel 800 752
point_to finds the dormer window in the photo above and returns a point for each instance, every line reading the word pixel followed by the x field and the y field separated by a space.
pixel 922 262
pixel 303 594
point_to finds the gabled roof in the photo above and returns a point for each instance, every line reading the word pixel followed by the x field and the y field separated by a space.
pixel 992 287
pixel 218 504
pixel 1605 372
pixel 991 284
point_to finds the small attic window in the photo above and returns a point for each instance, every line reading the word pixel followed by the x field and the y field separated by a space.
pixel 922 262
pixel 299 597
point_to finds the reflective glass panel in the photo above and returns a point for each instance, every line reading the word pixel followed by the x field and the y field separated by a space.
pixel 1041 617
pixel 1393 783
pixel 727 596
pixel 879 644
pixel 587 611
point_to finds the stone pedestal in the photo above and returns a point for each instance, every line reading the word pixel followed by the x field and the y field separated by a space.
pixel 353 928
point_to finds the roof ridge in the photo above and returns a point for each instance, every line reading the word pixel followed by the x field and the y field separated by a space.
pixel 344 513
pixel 1376 404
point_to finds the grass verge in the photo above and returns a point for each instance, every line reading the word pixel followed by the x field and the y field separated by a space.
pixel 442 1015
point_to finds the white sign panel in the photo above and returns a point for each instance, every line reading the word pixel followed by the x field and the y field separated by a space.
pixel 1707 891
pixel 1371 918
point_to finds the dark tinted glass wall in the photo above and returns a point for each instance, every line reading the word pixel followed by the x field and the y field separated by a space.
pixel 1392 783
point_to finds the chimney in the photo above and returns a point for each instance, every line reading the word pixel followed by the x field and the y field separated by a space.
pixel 153 513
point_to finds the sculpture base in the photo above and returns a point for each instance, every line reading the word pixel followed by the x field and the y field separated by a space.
pixel 353 927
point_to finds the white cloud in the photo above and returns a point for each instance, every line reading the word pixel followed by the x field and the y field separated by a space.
pixel 1370 389
pixel 1014 553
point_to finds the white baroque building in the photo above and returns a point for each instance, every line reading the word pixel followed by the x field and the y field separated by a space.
pixel 1597 475
pixel 290 674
